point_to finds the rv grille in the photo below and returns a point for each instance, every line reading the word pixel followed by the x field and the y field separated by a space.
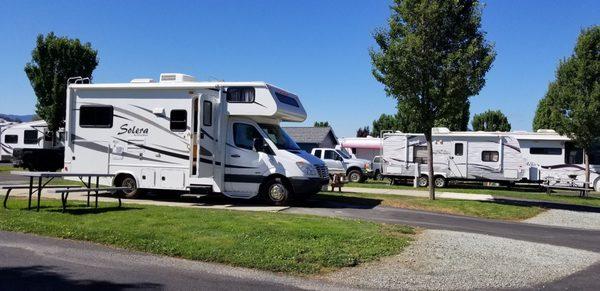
pixel 323 172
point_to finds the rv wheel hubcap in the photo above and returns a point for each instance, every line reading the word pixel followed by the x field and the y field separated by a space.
pixel 277 192
pixel 439 182
pixel 130 183
pixel 422 181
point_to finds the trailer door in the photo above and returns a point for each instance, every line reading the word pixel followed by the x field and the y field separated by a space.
pixel 206 138
pixel 458 160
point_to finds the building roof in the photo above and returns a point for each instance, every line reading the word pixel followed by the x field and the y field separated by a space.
pixel 310 134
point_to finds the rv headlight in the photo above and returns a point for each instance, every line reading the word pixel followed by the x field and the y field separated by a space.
pixel 307 169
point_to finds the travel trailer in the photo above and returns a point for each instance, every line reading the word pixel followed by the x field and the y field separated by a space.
pixel 5 152
pixel 181 134
pixel 361 147
pixel 30 145
pixel 505 157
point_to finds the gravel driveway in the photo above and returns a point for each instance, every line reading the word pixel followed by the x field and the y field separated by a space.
pixel 566 218
pixel 441 259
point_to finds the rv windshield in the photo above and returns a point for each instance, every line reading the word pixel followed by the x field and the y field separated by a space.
pixel 279 137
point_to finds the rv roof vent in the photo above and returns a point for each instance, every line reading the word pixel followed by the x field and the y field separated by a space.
pixel 176 77
pixel 440 130
pixel 546 131
pixel 142 80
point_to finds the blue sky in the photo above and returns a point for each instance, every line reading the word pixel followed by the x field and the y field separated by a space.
pixel 316 49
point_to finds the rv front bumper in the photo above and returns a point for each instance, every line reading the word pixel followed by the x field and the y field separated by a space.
pixel 309 186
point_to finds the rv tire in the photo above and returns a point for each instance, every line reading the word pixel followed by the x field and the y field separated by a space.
pixel 276 192
pixel 439 182
pixel 129 181
pixel 423 181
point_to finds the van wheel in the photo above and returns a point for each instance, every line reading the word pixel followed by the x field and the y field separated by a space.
pixel 439 182
pixel 423 181
pixel 133 191
pixel 276 192
pixel 355 176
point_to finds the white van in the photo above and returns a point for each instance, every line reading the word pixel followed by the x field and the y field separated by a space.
pixel 181 134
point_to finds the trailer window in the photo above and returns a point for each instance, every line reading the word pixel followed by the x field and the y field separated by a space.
pixel 458 149
pixel 420 154
pixel 30 137
pixel 573 155
pixel 207 113
pixel 11 138
pixel 287 100
pixel 318 153
pixel 244 135
pixel 178 120
pixel 546 151
pixel 240 95
pixel 489 156
pixel 96 116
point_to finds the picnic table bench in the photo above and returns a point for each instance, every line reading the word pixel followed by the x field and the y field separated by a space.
pixel 9 188
pixel 64 194
pixel 568 185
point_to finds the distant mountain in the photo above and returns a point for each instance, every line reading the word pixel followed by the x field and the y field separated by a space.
pixel 16 118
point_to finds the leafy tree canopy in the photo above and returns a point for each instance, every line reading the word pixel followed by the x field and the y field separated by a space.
pixel 491 120
pixel 53 61
pixel 363 132
pixel 321 124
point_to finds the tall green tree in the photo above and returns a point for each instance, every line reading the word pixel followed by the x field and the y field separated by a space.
pixel 432 58
pixel 53 61
pixel 321 124
pixel 572 104
pixel 384 122
pixel 491 120
pixel 363 131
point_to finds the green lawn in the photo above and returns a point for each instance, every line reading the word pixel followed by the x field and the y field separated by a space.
pixel 516 192
pixel 482 209
pixel 269 241
pixel 8 168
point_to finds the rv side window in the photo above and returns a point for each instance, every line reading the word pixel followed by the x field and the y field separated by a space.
pixel 318 153
pixel 207 113
pixel 240 95
pixel 420 154
pixel 11 138
pixel 96 116
pixel 30 137
pixel 458 149
pixel 244 135
pixel 573 155
pixel 489 156
pixel 178 120
pixel 545 151
pixel 287 100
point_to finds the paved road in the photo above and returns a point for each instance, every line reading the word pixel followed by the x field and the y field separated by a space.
pixel 29 262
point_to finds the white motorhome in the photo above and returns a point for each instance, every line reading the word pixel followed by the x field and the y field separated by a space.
pixel 486 156
pixel 26 143
pixel 181 134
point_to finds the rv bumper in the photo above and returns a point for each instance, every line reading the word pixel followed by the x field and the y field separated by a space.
pixel 309 186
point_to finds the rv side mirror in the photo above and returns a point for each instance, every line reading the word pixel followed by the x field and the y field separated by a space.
pixel 259 144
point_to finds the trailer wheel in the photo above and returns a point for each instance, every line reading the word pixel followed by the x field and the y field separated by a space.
pixel 423 181
pixel 378 176
pixel 129 181
pixel 276 192
pixel 439 182
pixel 355 176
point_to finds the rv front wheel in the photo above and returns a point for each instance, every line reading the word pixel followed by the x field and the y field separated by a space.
pixel 276 192
pixel 423 181
pixel 133 191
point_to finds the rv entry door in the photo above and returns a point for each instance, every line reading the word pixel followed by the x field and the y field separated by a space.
pixel 457 162
pixel 204 130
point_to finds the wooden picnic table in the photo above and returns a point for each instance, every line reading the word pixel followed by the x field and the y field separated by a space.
pixel 49 176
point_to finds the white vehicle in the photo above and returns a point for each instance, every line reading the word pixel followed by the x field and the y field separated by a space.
pixel 181 134
pixel 340 162
pixel 31 145
pixel 361 147
pixel 5 151
pixel 486 156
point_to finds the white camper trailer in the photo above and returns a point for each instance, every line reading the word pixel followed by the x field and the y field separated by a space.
pixel 5 151
pixel 486 156
pixel 31 145
pixel 181 134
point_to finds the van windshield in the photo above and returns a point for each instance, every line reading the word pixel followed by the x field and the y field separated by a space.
pixel 279 137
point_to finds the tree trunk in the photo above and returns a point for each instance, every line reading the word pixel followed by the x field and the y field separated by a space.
pixel 586 160
pixel 429 138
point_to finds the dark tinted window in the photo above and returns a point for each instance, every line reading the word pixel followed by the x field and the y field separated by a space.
pixel 178 120
pixel 11 138
pixel 240 95
pixel 96 116
pixel 318 153
pixel 244 135
pixel 207 111
pixel 377 160
pixel 48 136
pixel 545 151
pixel 458 149
pixel 489 156
pixel 420 154
pixel 330 155
pixel 30 137
pixel 287 99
